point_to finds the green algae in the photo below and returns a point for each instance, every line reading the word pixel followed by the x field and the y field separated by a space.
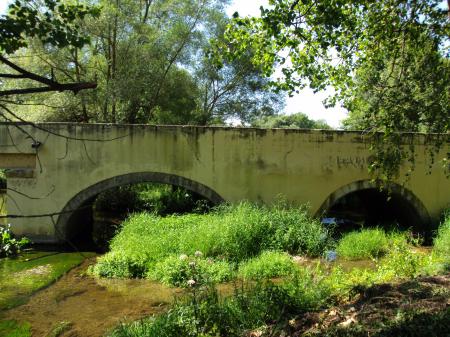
pixel 20 277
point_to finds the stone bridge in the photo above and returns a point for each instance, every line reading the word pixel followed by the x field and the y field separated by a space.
pixel 55 170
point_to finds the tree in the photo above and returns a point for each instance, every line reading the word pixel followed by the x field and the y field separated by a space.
pixel 329 42
pixel 50 22
pixel 297 120
pixel 150 61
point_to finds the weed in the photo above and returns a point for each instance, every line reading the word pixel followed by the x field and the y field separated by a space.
pixel 180 270
pixel 267 265
pixel 234 233
pixel 368 243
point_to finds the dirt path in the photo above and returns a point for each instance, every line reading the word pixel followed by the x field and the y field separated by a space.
pixel 86 307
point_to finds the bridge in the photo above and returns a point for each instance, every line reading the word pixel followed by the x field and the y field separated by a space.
pixel 55 170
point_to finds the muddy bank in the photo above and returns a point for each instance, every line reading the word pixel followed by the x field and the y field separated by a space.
pixel 89 307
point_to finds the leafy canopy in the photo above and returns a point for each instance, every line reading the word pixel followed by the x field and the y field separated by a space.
pixel 381 57
pixel 51 21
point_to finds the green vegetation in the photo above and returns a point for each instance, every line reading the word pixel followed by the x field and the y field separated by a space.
pixel 180 270
pixel 9 245
pixel 14 329
pixel 22 276
pixel 232 233
pixel 442 241
pixel 368 243
pixel 267 265
pixel 268 308
pixel 295 121
pixel 160 199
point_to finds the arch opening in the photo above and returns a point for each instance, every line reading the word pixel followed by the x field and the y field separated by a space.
pixel 82 214
pixel 366 204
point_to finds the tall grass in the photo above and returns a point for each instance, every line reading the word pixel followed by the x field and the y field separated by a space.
pixel 206 314
pixel 441 242
pixel 234 233
pixel 368 243
pixel 267 265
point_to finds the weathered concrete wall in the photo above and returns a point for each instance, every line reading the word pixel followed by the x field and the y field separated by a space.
pixel 231 164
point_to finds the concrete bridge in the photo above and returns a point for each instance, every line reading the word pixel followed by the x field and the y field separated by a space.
pixel 56 170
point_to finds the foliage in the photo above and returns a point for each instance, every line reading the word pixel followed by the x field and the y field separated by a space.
pixel 367 243
pixel 206 314
pixel 387 61
pixel 149 61
pixel 298 120
pixel 12 328
pixel 268 264
pixel 234 233
pixel 52 21
pixel 9 245
pixel 442 241
pixel 180 270
pixel 160 199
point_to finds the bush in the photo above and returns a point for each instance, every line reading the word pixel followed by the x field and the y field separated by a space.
pixel 367 243
pixel 180 270
pixel 268 264
pixel 234 233
pixel 9 245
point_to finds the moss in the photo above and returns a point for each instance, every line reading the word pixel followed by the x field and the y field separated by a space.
pixel 20 277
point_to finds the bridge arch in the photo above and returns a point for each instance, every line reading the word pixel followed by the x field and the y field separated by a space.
pixel 409 206
pixel 75 210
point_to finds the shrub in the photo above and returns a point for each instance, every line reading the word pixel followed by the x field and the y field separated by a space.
pixel 179 270
pixel 266 265
pixel 9 245
pixel 367 243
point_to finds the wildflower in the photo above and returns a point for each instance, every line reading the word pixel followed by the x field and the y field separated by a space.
pixel 183 257
pixel 198 253
pixel 192 264
pixel 191 283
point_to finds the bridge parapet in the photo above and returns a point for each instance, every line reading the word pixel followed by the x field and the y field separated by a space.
pixel 55 167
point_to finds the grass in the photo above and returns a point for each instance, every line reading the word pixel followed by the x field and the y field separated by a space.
pixel 12 328
pixel 267 265
pixel 265 308
pixel 368 243
pixel 232 233
pixel 442 241
pixel 179 270
pixel 20 277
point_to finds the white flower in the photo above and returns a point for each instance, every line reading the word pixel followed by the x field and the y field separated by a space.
pixel 191 283
pixel 198 253
pixel 192 264
pixel 183 257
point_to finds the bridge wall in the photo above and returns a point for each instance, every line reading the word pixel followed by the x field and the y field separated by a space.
pixel 231 164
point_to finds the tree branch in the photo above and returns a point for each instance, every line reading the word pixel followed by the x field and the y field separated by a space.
pixel 51 84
